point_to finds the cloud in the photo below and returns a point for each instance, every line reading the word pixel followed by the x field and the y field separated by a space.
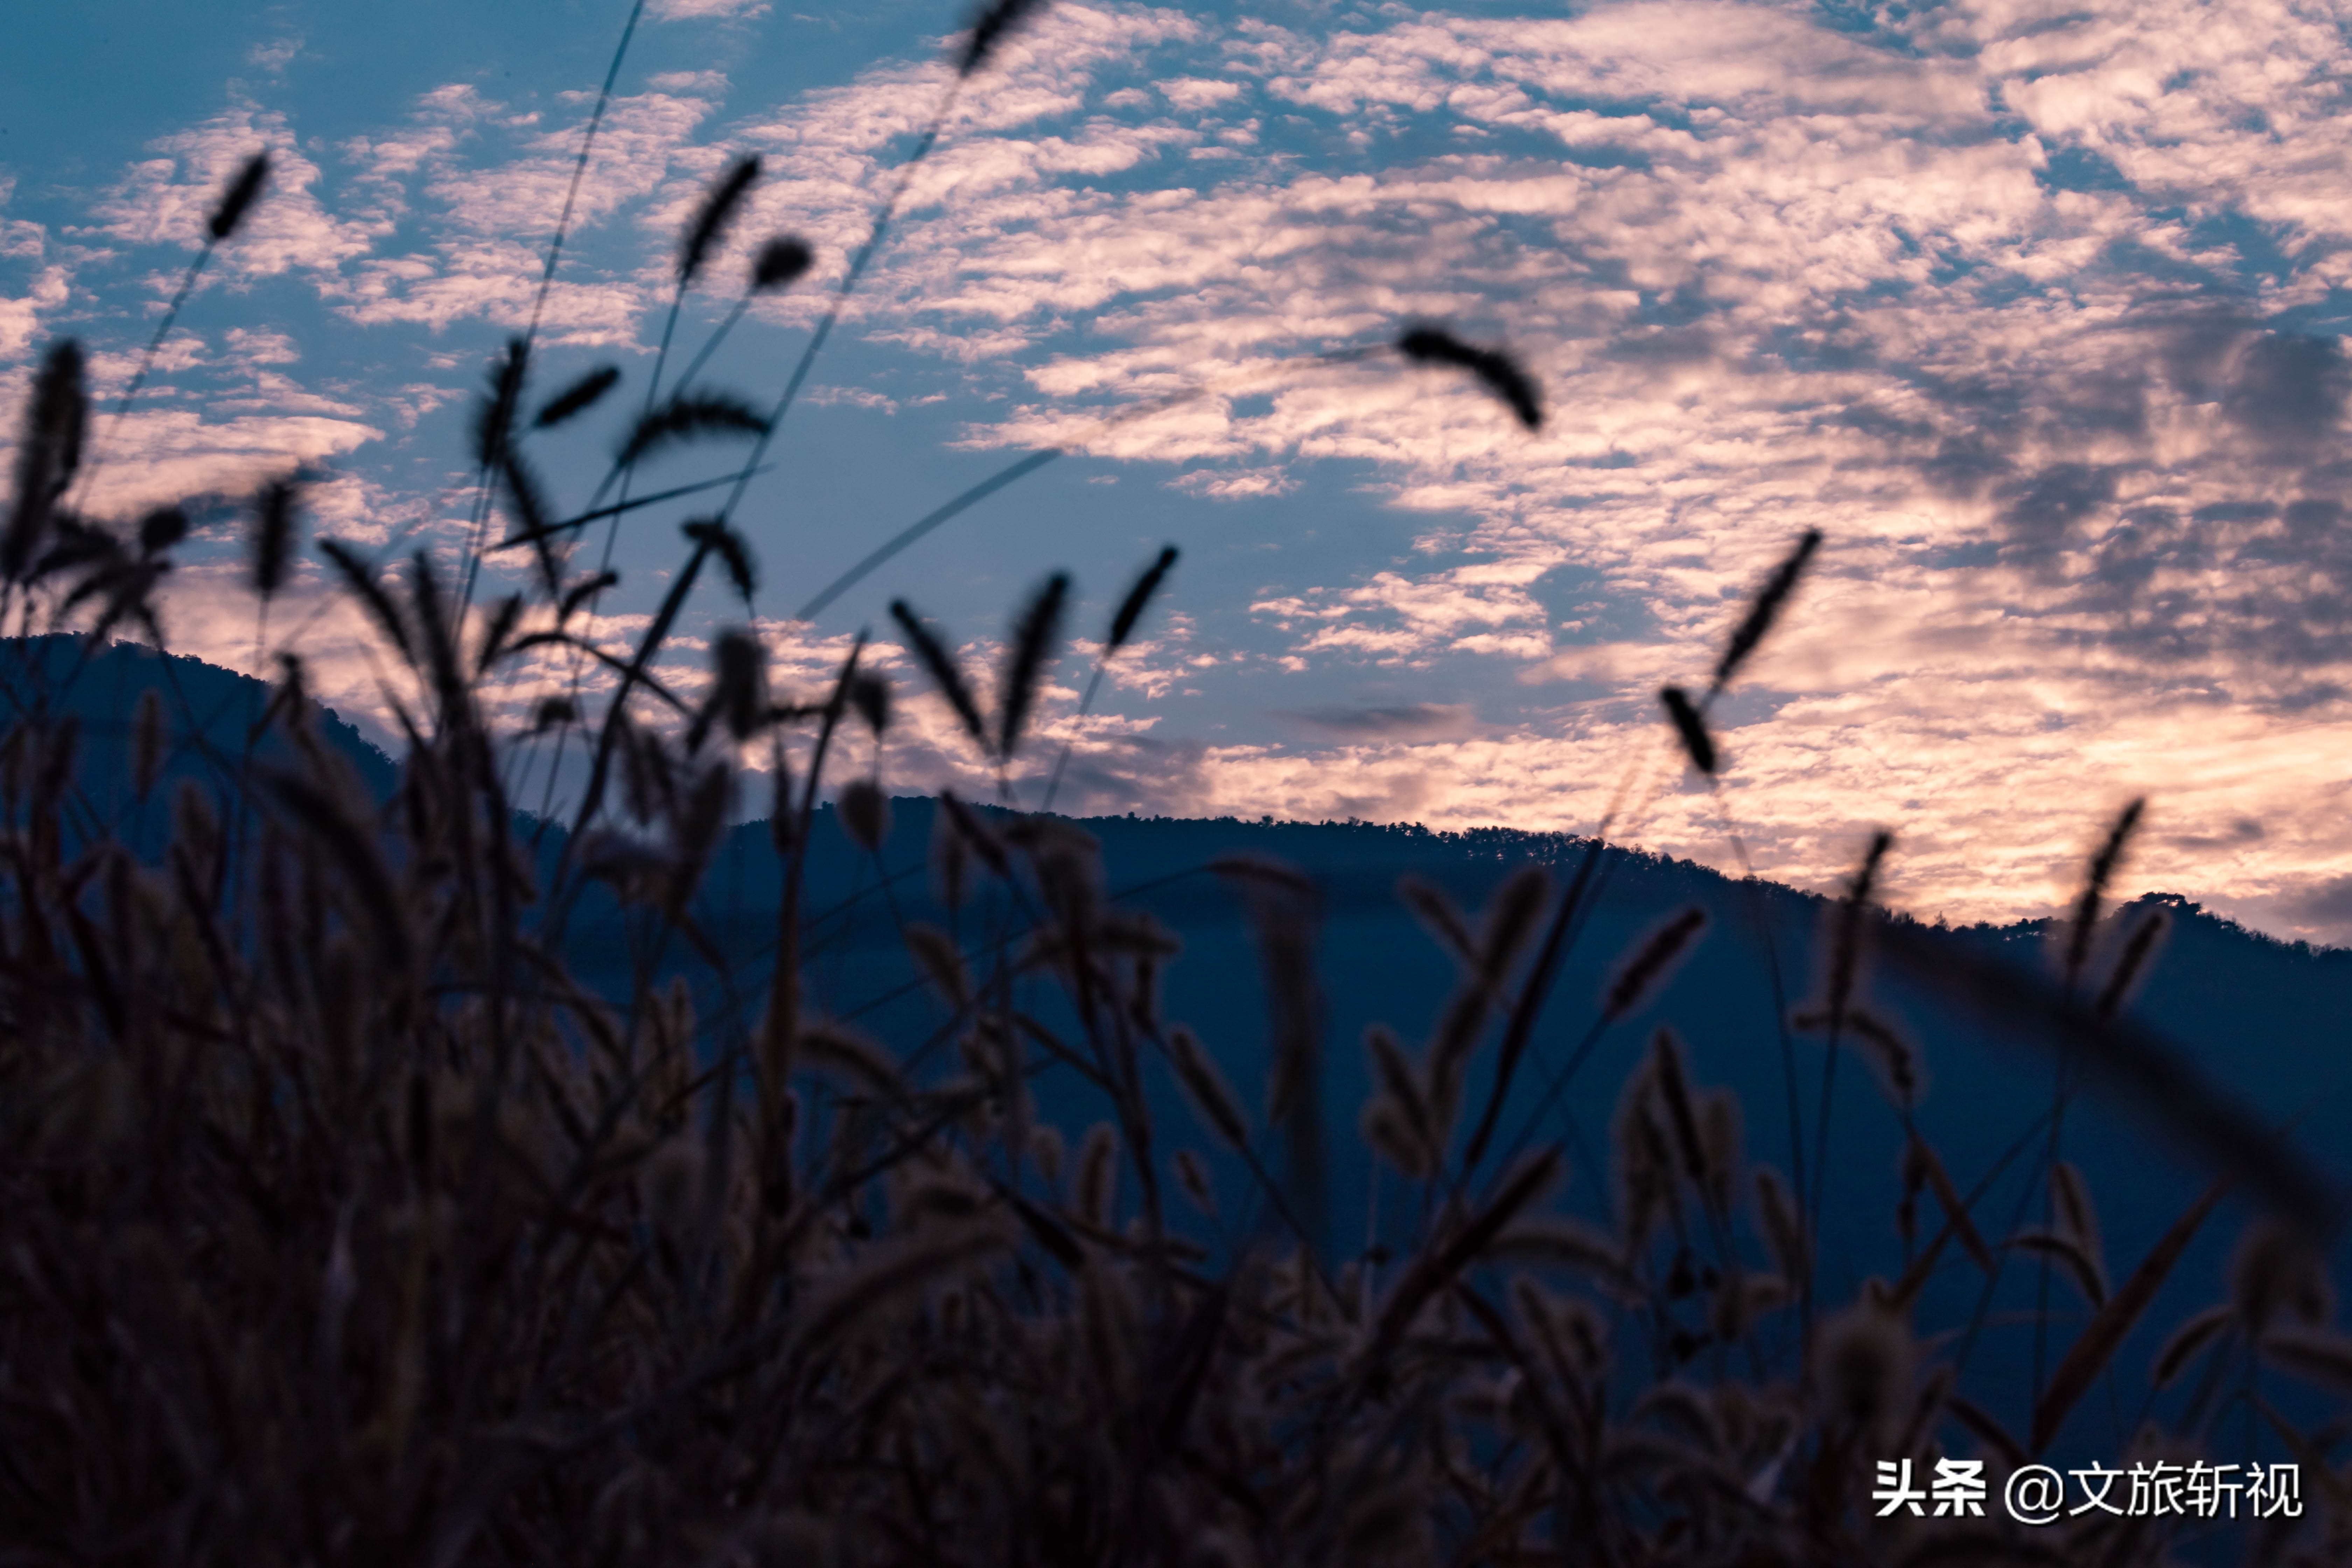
pixel 1192 93
pixel 1770 275
pixel 696 10
pixel 261 346
pixel 155 456
pixel 1411 721
pixel 20 239
pixel 1421 615
pixel 167 199
pixel 274 57
pixel 20 318
pixel 490 217
pixel 2035 312
pixel 1236 484
pixel 2329 903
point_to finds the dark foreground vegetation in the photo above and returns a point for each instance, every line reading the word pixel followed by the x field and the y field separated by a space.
pixel 343 1217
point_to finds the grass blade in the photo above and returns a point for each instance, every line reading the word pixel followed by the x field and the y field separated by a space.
pixel 915 530
pixel 2105 1334
pixel 2135 1062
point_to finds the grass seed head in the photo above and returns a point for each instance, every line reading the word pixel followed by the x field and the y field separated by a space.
pixel 1862 1358
pixel 720 205
pixel 865 814
pixel 161 529
pixel 2139 951
pixel 689 416
pixel 238 197
pixel 47 453
pixel 1653 963
pixel 1131 608
pixel 2101 871
pixel 870 695
pixel 992 26
pixel 1690 727
pixel 1769 601
pixel 739 691
pixel 1496 371
pixel 1030 654
pixel 780 263
pixel 945 673
pixel 577 399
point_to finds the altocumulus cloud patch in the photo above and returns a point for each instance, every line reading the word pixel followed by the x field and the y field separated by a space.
pixel 2034 311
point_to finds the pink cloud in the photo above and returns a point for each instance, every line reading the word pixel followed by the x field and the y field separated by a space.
pixel 707 10
pixel 166 200
pixel 1769 276
pixel 20 318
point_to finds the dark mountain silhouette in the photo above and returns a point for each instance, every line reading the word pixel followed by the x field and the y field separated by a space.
pixel 2263 1022
pixel 211 716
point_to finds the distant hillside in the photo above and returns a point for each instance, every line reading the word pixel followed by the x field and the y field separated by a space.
pixel 210 714
pixel 2265 1021
pixel 2267 1018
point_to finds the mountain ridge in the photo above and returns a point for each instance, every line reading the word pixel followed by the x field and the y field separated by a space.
pixel 2262 1019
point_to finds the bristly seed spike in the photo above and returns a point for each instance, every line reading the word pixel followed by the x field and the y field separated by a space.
pixel 781 261
pixel 273 538
pixel 1846 958
pixel 1498 371
pixel 990 28
pixel 1689 724
pixel 710 220
pixel 687 418
pixel 1639 978
pixel 1131 608
pixel 238 198
pixel 1033 636
pixel 942 667
pixel 733 550
pixel 2094 887
pixel 870 695
pixel 579 397
pixel 47 453
pixel 1763 612
pixel 739 690
pixel 494 416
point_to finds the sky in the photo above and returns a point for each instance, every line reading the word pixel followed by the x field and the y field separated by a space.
pixel 2033 309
